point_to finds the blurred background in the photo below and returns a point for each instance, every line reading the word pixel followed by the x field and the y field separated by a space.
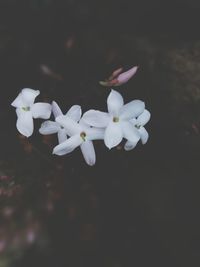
pixel 134 208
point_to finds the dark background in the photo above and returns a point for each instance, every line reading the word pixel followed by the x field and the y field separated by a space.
pixel 137 208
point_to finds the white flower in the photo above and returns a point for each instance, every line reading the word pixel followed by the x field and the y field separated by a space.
pixel 51 127
pixel 26 110
pixel 80 135
pixel 139 125
pixel 116 121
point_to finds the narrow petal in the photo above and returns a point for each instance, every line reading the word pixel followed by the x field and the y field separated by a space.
pixel 41 110
pixel 25 123
pixel 113 135
pixel 29 95
pixel 68 146
pixel 132 109
pixel 143 135
pixel 70 126
pixel 114 102
pixel 19 102
pixel 88 151
pixel 74 113
pixel 62 136
pixel 130 132
pixel 129 145
pixel 144 118
pixel 95 133
pixel 96 118
pixel 125 76
pixel 49 127
pixel 56 109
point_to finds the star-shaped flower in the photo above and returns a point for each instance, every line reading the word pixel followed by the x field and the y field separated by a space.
pixel 139 123
pixel 26 110
pixel 51 127
pixel 80 135
pixel 117 121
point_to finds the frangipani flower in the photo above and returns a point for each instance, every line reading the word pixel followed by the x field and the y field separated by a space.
pixel 26 110
pixel 117 78
pixel 116 121
pixel 80 135
pixel 139 125
pixel 51 127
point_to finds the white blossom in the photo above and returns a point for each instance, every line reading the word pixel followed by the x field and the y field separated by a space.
pixel 117 121
pixel 139 123
pixel 51 127
pixel 26 110
pixel 80 135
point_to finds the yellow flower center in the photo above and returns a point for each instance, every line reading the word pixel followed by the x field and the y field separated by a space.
pixel 83 135
pixel 115 119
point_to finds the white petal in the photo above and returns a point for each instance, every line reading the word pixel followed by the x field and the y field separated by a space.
pixel 41 110
pixel 56 109
pixel 19 101
pixel 114 102
pixel 24 122
pixel 62 136
pixel 95 133
pixel 88 151
pixel 49 127
pixel 74 113
pixel 70 126
pixel 132 109
pixel 29 95
pixel 130 132
pixel 113 135
pixel 134 121
pixel 143 135
pixel 96 118
pixel 129 145
pixel 143 118
pixel 68 146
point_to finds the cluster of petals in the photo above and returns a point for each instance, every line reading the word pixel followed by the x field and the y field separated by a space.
pixel 74 130
pixel 121 121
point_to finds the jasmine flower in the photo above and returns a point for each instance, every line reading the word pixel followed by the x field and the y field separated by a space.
pixel 139 123
pixel 117 121
pixel 26 110
pixel 51 127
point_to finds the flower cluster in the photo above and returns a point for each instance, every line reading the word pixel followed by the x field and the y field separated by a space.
pixel 73 130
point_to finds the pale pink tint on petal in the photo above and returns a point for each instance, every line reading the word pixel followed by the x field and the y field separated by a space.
pixel 115 73
pixel 126 76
